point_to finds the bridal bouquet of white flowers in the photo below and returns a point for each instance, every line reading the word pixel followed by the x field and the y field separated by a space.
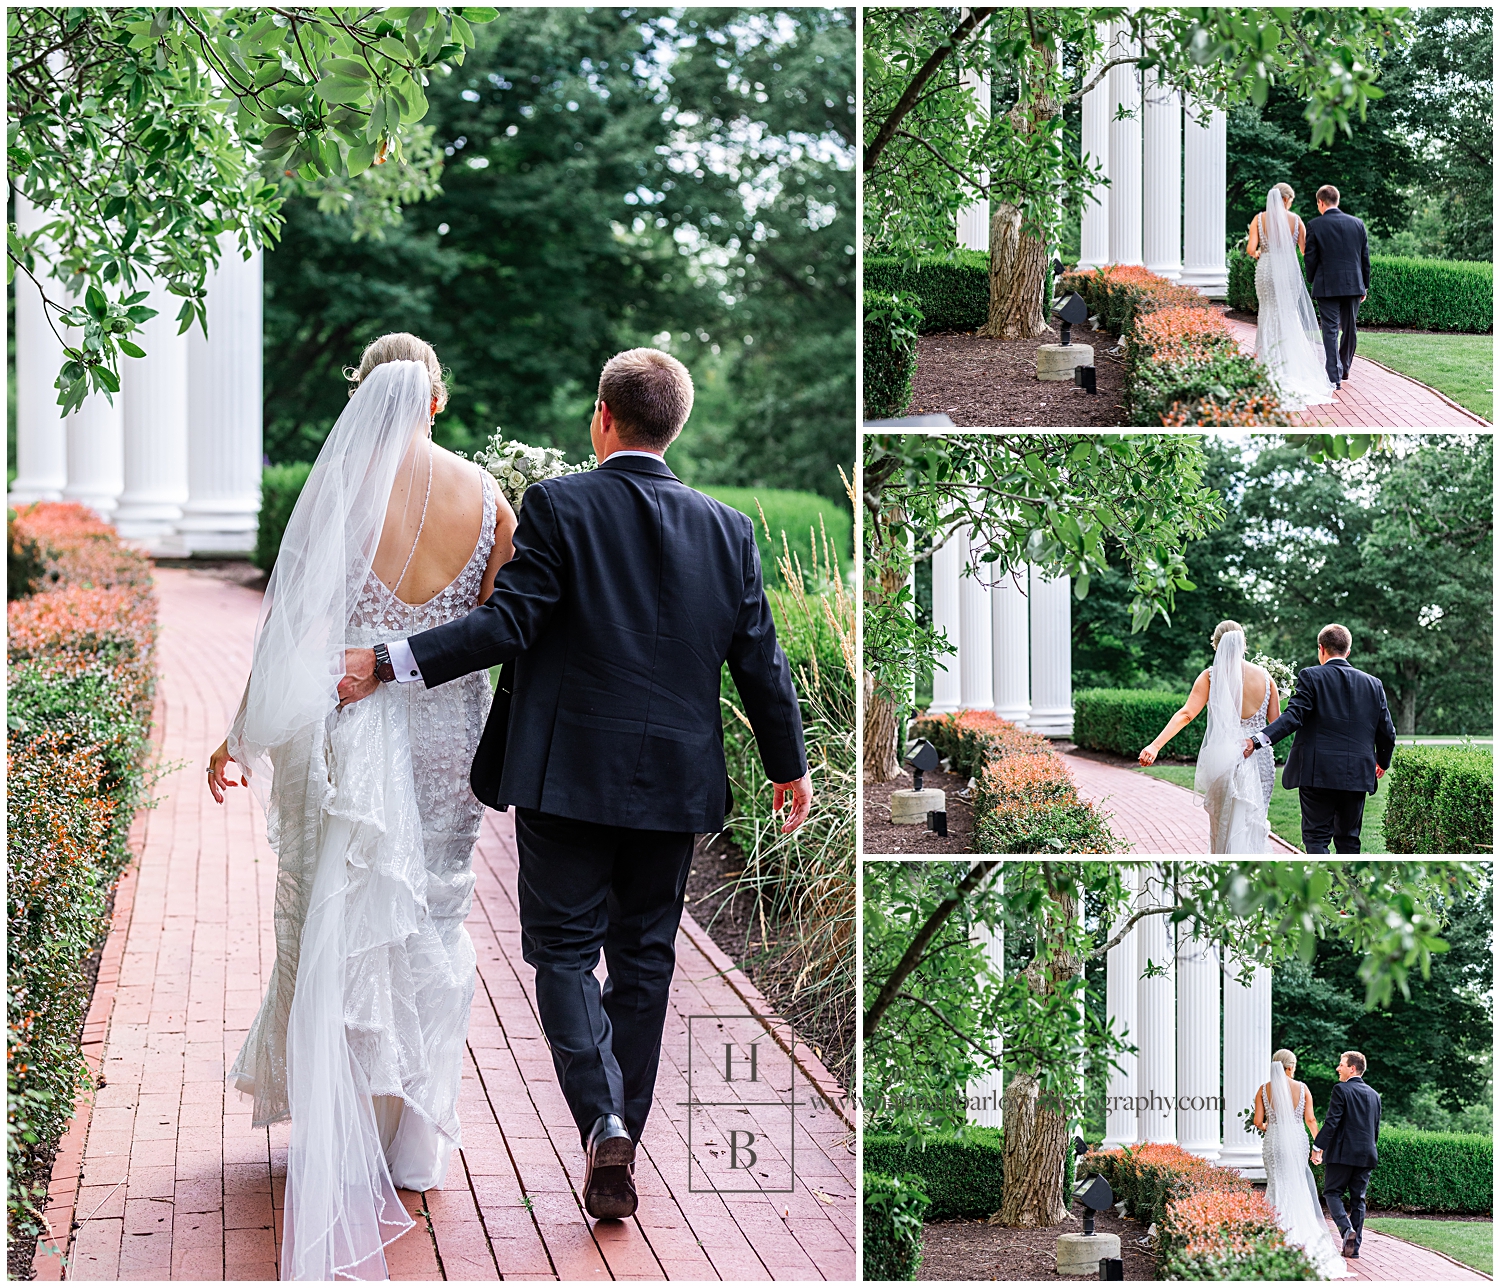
pixel 1281 672
pixel 516 465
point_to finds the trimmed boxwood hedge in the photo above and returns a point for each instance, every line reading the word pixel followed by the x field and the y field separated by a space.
pixel 894 1206
pixel 961 1172
pixel 953 294
pixel 1425 294
pixel 1442 801
pixel 1430 1171
pixel 1125 720
pixel 280 486
pixel 888 373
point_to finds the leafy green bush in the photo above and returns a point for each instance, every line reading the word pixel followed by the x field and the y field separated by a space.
pixel 961 1172
pixel 1259 1261
pixel 1125 720
pixel 1430 1171
pixel 1424 294
pixel 1227 378
pixel 803 516
pixel 1442 801
pixel 894 1206
pixel 889 368
pixel 280 486
pixel 1050 828
pixel 953 294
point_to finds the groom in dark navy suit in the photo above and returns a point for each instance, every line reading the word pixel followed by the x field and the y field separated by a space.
pixel 1345 739
pixel 1337 258
pixel 627 595
pixel 1347 1148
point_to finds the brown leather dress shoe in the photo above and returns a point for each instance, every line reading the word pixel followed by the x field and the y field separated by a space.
pixel 609 1170
pixel 1351 1248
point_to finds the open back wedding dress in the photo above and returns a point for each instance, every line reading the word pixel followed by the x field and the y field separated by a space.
pixel 1288 339
pixel 1290 1187
pixel 360 1037
pixel 1236 789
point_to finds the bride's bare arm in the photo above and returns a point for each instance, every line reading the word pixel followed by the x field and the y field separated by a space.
pixel 1273 708
pixel 504 548
pixel 1197 700
pixel 1310 1118
pixel 1260 1110
pixel 217 782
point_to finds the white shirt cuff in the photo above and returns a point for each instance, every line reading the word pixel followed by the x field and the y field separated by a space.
pixel 404 664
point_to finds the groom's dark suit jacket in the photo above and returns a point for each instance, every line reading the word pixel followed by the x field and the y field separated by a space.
pixel 1343 729
pixel 1352 1127
pixel 1337 255
pixel 627 594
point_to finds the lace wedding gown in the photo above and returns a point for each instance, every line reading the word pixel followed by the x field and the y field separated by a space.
pixel 374 830
pixel 1236 789
pixel 1288 337
pixel 1290 1187
pixel 1262 759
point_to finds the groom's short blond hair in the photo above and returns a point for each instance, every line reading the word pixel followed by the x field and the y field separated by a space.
pixel 649 393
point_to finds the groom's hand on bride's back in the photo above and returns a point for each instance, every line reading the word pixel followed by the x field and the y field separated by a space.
pixel 799 794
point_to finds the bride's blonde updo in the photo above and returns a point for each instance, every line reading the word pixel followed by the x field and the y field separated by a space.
pixel 1286 1060
pixel 1223 629
pixel 400 346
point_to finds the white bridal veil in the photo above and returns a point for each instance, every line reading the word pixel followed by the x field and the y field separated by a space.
pixel 340 811
pixel 1228 779
pixel 1288 338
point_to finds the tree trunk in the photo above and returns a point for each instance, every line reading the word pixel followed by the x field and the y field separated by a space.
pixel 882 762
pixel 1018 270
pixel 1406 707
pixel 1035 1141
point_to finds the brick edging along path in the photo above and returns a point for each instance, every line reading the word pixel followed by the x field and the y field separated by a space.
pixel 174 1182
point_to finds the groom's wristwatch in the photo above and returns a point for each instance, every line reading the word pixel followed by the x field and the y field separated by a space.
pixel 384 671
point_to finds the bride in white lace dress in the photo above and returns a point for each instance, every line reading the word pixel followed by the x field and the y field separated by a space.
pixel 1241 699
pixel 1288 338
pixel 1282 1107
pixel 360 1037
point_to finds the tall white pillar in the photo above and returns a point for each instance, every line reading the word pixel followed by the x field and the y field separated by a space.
pixel 1124 153
pixel 1247 1061
pixel 224 412
pixel 1156 1012
pixel 154 398
pixel 1122 984
pixel 947 565
pixel 96 463
pixel 1010 633
pixel 974 220
pixel 41 430
pixel 1204 164
pixel 1161 178
pixel 1051 655
pixel 976 663
pixel 1198 1107
pixel 1097 108
pixel 985 1091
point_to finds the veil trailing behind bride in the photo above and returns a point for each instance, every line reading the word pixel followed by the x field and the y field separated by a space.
pixel 1290 1187
pixel 1233 793
pixel 1288 339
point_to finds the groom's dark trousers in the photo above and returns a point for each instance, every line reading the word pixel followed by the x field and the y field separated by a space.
pixel 1344 731
pixel 1348 1141
pixel 627 595
pixel 1337 261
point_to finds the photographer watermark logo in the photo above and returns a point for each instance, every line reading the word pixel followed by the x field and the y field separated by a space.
pixel 742 1100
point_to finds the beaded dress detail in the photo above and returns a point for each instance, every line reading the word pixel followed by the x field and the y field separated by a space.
pixel 391 786
pixel 1263 757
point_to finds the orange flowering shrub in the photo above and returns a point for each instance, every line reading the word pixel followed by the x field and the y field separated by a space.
pixel 1256 409
pixel 1210 1222
pixel 1121 293
pixel 78 548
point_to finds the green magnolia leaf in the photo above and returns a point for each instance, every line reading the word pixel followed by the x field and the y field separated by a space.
pixel 280 139
pixel 96 304
pixel 131 350
pixel 360 158
pixel 350 68
pixel 337 90
pixel 393 49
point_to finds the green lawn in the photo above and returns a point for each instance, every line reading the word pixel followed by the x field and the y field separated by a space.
pixel 1461 366
pixel 1472 1242
pixel 1286 811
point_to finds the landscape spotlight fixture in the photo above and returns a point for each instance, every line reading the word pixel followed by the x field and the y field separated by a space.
pixel 1073 312
pixel 1096 1196
pixel 923 759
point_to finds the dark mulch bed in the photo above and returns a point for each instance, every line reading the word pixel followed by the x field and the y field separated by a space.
pixel 884 837
pixel 975 1250
pixel 736 927
pixel 989 383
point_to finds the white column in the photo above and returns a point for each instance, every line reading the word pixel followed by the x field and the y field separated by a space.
pixel 1051 655
pixel 985 1092
pixel 96 464
pixel 947 563
pixel 1161 178
pixel 154 398
pixel 1204 161
pixel 41 431
pixel 1198 1107
pixel 1124 154
pixel 974 221
pixel 1010 634
pixel 224 412
pixel 1097 109
pixel 1156 1012
pixel 1122 984
pixel 1247 1059
pixel 975 652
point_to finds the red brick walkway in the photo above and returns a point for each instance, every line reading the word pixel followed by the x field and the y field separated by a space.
pixel 174 1184
pixel 1375 397
pixel 1151 814
pixel 1382 1257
